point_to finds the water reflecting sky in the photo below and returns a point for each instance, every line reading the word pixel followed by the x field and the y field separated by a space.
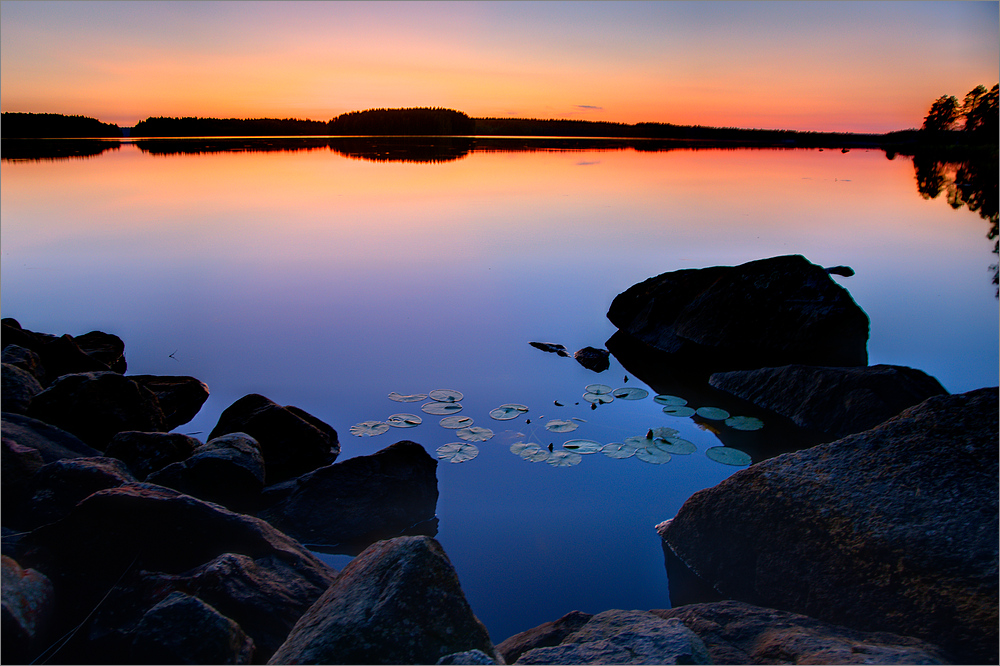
pixel 327 282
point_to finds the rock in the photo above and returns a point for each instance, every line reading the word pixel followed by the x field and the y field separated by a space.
pixel 544 635
pixel 25 359
pixel 52 443
pixel 292 445
pixel 148 452
pixel 843 271
pixel 183 629
pixel 398 602
pixel 58 355
pixel 349 505
pixel 770 312
pixel 17 388
pixel 550 347
pixel 837 401
pixel 893 529
pixel 738 633
pixel 624 637
pixel 27 609
pixel 227 470
pixel 593 359
pixel 467 657
pixel 95 406
pixel 57 487
pixel 104 347
pixel 180 398
pixel 19 464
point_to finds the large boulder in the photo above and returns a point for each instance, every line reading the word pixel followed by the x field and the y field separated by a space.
pixel 738 633
pixel 95 406
pixel 56 488
pixel 893 529
pixel 17 388
pixel 59 355
pixel 107 348
pixel 293 442
pixel 548 634
pixel 52 443
pixel 624 637
pixel 25 359
pixel 398 602
pixel 19 465
pixel 148 452
pixel 180 398
pixel 349 505
pixel 770 312
pixel 836 401
pixel 27 609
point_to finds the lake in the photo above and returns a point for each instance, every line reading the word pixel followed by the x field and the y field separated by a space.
pixel 327 275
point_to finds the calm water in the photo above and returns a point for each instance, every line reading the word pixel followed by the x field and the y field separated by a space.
pixel 326 282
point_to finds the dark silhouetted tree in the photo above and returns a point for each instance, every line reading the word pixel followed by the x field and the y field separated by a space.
pixel 980 109
pixel 943 114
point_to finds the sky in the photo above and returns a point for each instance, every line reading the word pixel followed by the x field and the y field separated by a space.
pixel 814 66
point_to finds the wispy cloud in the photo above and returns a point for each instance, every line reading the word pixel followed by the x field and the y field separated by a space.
pixel 590 106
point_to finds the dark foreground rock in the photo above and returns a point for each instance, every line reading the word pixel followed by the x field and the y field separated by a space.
pixel 837 401
pixel 771 312
pixel 738 633
pixel 893 529
pixel 17 388
pixel 548 634
pixel 349 505
pixel 398 602
pixel 52 443
pixel 27 609
pixel 180 398
pixel 148 452
pixel 593 358
pixel 57 487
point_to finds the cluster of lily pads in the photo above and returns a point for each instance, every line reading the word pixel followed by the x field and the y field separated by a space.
pixel 656 447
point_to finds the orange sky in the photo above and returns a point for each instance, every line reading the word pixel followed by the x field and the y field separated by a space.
pixel 839 66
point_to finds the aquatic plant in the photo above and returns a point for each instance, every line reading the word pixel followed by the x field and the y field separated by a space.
pixel 630 393
pixel 404 420
pixel 416 397
pixel 619 450
pixel 598 398
pixel 508 412
pixel 675 445
pixel 559 425
pixel 597 388
pixel 744 423
pixel 441 408
pixel 713 413
pixel 457 452
pixel 456 422
pixel 728 456
pixel 563 458
pixel 664 399
pixel 474 434
pixel 582 446
pixel 678 410
pixel 369 428
pixel 445 395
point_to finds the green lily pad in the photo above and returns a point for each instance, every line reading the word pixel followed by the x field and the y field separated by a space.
pixel 652 455
pixel 744 423
pixel 664 433
pixel 582 446
pixel 457 452
pixel 619 450
pixel 669 400
pixel 598 398
pixel 597 388
pixel 676 446
pixel 639 442
pixel 519 448
pixel 404 420
pixel 445 395
pixel 630 393
pixel 713 413
pixel 728 456
pixel 369 428
pixel 508 412
pixel 456 422
pixel 558 425
pixel 678 410
pixel 441 408
pixel 563 458
pixel 538 455
pixel 416 397
pixel 474 434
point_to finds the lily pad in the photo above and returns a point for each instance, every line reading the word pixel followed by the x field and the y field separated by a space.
pixel 519 448
pixel 744 423
pixel 563 459
pixel 676 446
pixel 663 432
pixel 369 428
pixel 404 420
pixel 456 422
pixel 508 412
pixel 445 395
pixel 457 452
pixel 582 446
pixel 558 425
pixel 597 388
pixel 619 450
pixel 538 455
pixel 678 410
pixel 441 408
pixel 630 393
pixel 728 456
pixel 663 399
pixel 598 398
pixel 474 434
pixel 416 397
pixel 713 413
pixel 652 455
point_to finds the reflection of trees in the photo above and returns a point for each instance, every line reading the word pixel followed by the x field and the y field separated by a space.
pixel 970 182
pixel 54 149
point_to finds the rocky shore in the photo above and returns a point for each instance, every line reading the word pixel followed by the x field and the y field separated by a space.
pixel 126 543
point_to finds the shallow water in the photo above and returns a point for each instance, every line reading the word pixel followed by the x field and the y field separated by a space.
pixel 326 282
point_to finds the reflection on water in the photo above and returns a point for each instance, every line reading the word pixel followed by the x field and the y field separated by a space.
pixel 54 149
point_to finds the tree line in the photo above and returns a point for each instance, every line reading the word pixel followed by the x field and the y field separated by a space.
pixel 976 114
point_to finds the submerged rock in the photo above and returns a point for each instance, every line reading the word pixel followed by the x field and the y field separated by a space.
pixel 892 529
pixel 770 312
pixel 593 359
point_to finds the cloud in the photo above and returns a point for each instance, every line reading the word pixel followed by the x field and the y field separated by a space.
pixel 590 106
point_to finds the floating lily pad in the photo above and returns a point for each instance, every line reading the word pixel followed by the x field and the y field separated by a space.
pixel 663 432
pixel 445 395
pixel 457 452
pixel 519 448
pixel 577 418
pixel 456 422
pixel 678 410
pixel 598 398
pixel 597 388
pixel 713 413
pixel 676 446
pixel 563 459
pixel 653 455
pixel 474 434
pixel 744 423
pixel 538 455
pixel 669 400
pixel 583 446
pixel 404 420
pixel 728 456
pixel 639 442
pixel 508 412
pixel 416 397
pixel 441 408
pixel 369 428
pixel 619 450
pixel 558 425
pixel 630 393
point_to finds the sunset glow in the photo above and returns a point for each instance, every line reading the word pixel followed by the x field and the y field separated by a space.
pixel 859 66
